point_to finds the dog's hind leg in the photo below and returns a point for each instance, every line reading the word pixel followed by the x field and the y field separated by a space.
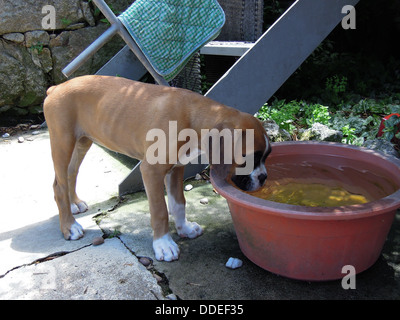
pixel 81 148
pixel 62 147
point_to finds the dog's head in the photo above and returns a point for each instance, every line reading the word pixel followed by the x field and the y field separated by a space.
pixel 243 155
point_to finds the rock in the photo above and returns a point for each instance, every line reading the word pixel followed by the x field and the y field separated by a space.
pixel 15 37
pixel 171 296
pixel 321 132
pixel 157 277
pixel 145 261
pixel 188 187
pixel 22 81
pixel 75 26
pixel 274 132
pixel 204 201
pixel 98 241
pixel 60 40
pixel 5 108
pixel 234 263
pixel 69 44
pixel 36 38
pixel 42 58
pixel 87 13
pixel 21 139
pixel 20 111
pixel 21 16
pixel 382 145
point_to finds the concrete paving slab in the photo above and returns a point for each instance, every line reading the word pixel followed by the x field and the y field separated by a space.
pixel 30 226
pixel 200 272
pixel 30 232
pixel 107 271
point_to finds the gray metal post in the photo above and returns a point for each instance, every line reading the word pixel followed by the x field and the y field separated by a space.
pixel 89 51
pixel 260 72
pixel 116 27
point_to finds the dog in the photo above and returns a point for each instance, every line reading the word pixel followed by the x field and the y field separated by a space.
pixel 118 114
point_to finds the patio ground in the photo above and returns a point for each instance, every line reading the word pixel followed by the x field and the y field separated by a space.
pixel 37 263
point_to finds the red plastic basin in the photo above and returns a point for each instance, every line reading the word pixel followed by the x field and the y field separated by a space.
pixel 315 243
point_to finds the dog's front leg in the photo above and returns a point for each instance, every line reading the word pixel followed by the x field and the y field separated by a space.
pixel 165 249
pixel 176 204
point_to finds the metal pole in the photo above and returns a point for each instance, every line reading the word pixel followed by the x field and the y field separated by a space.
pixel 89 51
pixel 259 73
pixel 116 27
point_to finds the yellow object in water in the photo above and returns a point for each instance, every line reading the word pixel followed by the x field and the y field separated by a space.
pixel 309 194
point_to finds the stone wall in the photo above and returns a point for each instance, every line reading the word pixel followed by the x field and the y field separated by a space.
pixel 31 58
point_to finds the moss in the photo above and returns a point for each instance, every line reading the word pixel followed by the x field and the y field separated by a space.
pixel 28 99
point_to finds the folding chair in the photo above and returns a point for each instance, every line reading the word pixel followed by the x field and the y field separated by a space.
pixel 163 34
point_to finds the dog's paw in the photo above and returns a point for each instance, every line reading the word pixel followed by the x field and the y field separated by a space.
pixel 189 230
pixel 165 249
pixel 74 232
pixel 79 207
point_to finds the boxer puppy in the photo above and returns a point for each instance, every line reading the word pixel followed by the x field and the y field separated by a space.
pixel 118 114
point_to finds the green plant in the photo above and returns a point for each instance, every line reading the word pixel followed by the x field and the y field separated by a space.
pixel 97 13
pixel 357 121
pixel 336 84
pixel 349 136
pixel 368 106
pixel 38 47
pixel 391 129
pixel 284 114
pixel 314 113
pixel 66 22
pixel 335 88
pixel 290 116
pixel 115 233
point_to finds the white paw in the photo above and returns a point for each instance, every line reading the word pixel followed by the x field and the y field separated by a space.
pixel 79 207
pixel 76 231
pixel 165 249
pixel 189 230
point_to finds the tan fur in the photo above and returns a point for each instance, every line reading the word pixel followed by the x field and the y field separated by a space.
pixel 117 113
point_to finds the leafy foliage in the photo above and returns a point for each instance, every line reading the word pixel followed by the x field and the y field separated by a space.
pixel 349 82
pixel 391 129
pixel 357 122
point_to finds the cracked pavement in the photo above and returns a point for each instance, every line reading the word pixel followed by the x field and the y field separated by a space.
pixel 37 263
